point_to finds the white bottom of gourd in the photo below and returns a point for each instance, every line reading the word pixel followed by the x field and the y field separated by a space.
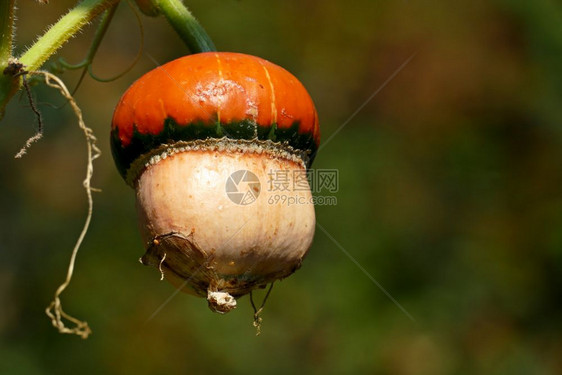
pixel 218 223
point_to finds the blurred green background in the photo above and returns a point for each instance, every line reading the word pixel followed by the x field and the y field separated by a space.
pixel 450 197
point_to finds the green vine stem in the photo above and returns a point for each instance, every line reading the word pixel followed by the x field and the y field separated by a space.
pixel 63 30
pixel 49 43
pixel 7 86
pixel 183 22
pixel 7 30
pixel 187 27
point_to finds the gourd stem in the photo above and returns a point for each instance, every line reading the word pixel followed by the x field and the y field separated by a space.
pixel 187 27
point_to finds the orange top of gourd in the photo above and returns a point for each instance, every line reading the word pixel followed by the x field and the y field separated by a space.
pixel 218 94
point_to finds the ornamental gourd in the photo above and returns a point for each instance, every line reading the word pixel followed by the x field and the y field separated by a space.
pixel 211 143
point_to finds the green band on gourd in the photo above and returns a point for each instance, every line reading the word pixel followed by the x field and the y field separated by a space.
pixel 143 144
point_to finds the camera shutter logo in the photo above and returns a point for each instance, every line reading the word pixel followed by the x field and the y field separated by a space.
pixel 243 187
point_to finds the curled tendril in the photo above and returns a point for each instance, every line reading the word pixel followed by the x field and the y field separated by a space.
pixel 61 65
